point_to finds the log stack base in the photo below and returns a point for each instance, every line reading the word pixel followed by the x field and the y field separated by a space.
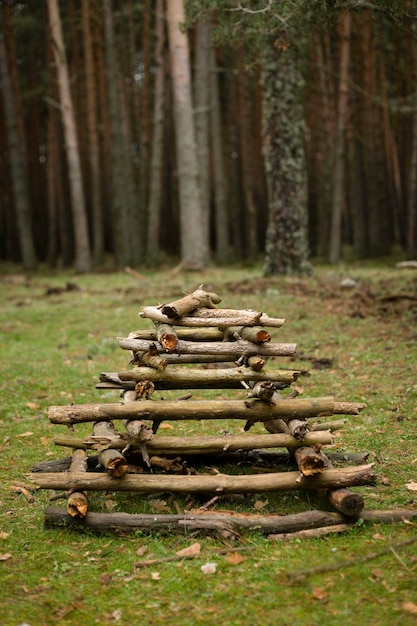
pixel 196 345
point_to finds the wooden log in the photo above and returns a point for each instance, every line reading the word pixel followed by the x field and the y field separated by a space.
pixel 218 484
pixel 348 408
pixel 310 533
pixel 77 502
pixel 225 348
pixel 310 461
pixel 345 501
pixel 332 426
pixel 167 336
pixel 182 332
pixel 256 334
pixel 149 358
pixel 112 460
pixel 199 444
pixel 191 301
pixel 221 318
pixel 256 363
pixel 208 378
pixel 188 522
pixel 192 409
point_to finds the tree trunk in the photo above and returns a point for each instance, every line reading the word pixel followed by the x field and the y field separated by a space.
pixel 157 161
pixel 79 214
pixel 93 143
pixel 18 166
pixel 287 238
pixel 202 117
pixel 338 196
pixel 123 228
pixel 194 252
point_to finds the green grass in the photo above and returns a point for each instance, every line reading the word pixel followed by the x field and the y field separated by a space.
pixel 52 349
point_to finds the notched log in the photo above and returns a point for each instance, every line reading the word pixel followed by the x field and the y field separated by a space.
pixel 190 302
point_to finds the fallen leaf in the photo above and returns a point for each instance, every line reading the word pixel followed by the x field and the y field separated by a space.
pixel 260 505
pixel 410 607
pixel 412 485
pixel 209 568
pixel 117 615
pixel 235 558
pixel 26 434
pixel 105 579
pixel 156 576
pixel 320 594
pixel 4 535
pixel 142 550
pixel 191 551
pixel 379 537
pixel 377 573
pixel 167 426
pixel 44 441
pixel 5 557
pixel 160 506
pixel 33 405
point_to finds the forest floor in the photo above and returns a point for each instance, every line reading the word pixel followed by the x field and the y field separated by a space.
pixel 356 330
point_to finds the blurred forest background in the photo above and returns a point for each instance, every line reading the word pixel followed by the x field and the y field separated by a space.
pixel 207 130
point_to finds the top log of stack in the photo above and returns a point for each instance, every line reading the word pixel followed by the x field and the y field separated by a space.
pixel 194 330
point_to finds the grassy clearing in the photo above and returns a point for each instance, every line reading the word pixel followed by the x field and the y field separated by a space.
pixel 55 341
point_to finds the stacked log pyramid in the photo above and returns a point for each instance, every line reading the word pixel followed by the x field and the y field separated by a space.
pixel 195 345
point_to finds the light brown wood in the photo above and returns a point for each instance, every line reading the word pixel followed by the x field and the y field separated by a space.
pixel 225 348
pixel 192 409
pixel 112 460
pixel 214 317
pixel 217 484
pixel 214 377
pixel 77 502
pixel 310 461
pixel 200 444
pixel 191 301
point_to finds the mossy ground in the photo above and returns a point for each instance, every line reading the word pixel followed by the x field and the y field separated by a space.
pixel 55 342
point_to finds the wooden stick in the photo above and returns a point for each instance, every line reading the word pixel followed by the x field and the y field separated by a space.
pixel 182 332
pixel 188 522
pixel 211 378
pixel 229 348
pixel 310 461
pixel 256 334
pixel 309 533
pixel 167 336
pixel 192 409
pixel 77 502
pixel 220 483
pixel 191 301
pixel 199 444
pixel 112 460
pixel 214 317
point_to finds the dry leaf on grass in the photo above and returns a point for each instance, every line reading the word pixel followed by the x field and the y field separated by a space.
pixel 320 594
pixel 156 576
pixel 209 568
pixel 5 557
pixel 412 485
pixel 235 558
pixel 191 551
pixel 410 607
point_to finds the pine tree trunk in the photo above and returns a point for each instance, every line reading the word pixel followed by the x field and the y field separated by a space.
pixel 93 143
pixel 18 165
pixel 194 253
pixel 157 160
pixel 221 225
pixel 79 214
pixel 202 117
pixel 338 195
pixel 287 239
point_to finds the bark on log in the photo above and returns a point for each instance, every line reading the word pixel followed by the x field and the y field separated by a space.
pixel 112 460
pixel 220 318
pixel 182 332
pixel 225 348
pixel 346 501
pixel 218 484
pixel 192 409
pixel 188 522
pixel 194 445
pixel 311 532
pixel 310 461
pixel 149 358
pixel 256 334
pixel 167 336
pixel 348 408
pixel 191 301
pixel 332 426
pixel 208 378
pixel 77 502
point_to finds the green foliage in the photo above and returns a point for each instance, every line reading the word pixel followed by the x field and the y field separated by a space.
pixel 53 348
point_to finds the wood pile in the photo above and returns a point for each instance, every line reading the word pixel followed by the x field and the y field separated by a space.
pixel 195 345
